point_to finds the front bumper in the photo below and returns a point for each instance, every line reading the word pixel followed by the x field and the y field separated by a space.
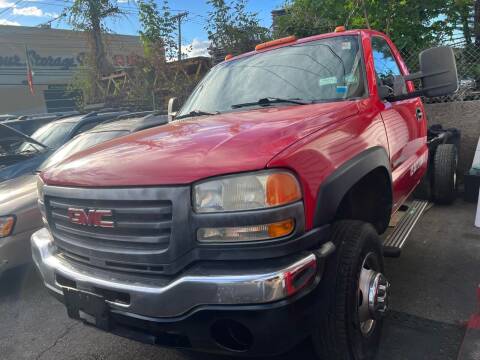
pixel 262 296
pixel 206 283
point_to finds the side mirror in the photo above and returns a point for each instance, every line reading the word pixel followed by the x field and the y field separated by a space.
pixel 438 74
pixel 173 107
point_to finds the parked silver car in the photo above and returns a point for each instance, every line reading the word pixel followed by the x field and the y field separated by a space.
pixel 19 214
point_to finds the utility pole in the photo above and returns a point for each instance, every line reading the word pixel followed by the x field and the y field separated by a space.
pixel 179 18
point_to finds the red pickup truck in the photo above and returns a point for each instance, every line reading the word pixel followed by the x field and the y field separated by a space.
pixel 252 220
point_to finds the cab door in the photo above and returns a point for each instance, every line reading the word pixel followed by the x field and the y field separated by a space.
pixel 405 123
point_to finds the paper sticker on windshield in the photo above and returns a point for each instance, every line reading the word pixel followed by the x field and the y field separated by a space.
pixel 350 78
pixel 342 89
pixel 327 81
pixel 347 45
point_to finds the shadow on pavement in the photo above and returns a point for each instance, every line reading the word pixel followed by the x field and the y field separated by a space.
pixel 404 337
pixel 15 282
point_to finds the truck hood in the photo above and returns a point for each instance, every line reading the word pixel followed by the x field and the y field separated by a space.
pixel 187 150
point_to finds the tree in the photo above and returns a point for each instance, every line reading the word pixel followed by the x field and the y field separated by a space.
pixel 157 29
pixel 90 16
pixel 465 17
pixel 460 15
pixel 232 28
pixel 405 21
pixel 477 23
pixel 156 76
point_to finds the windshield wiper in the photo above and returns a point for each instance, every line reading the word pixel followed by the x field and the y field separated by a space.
pixel 23 136
pixel 197 113
pixel 272 100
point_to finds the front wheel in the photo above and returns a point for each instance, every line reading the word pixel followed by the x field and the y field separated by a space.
pixel 354 295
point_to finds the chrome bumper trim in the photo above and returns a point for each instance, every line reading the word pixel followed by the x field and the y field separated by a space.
pixel 160 296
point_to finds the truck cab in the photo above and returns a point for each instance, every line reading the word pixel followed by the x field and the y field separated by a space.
pixel 251 221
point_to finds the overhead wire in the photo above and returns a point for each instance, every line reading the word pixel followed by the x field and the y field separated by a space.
pixel 11 6
pixel 194 18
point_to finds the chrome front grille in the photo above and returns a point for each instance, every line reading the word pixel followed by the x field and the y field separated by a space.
pixel 150 227
pixel 155 230
pixel 137 224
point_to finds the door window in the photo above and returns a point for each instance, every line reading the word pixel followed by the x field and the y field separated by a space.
pixel 386 66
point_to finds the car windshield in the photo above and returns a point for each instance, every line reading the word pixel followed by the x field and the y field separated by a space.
pixel 52 135
pixel 325 70
pixel 79 143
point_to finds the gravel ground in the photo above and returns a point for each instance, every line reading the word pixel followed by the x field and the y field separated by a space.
pixel 434 284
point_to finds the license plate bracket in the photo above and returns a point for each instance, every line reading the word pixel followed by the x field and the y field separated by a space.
pixel 88 307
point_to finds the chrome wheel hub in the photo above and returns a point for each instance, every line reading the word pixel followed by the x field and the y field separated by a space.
pixel 373 294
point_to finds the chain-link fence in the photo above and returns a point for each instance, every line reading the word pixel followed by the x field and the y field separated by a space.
pixel 468 67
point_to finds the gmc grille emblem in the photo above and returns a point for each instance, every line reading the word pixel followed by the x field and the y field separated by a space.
pixel 91 217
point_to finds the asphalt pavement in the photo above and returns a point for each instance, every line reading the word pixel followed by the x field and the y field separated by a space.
pixel 434 286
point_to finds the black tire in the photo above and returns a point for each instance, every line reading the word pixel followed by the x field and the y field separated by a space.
pixel 444 174
pixel 339 336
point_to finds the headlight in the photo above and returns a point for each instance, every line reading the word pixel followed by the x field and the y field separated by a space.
pixel 6 225
pixel 246 192
pixel 40 188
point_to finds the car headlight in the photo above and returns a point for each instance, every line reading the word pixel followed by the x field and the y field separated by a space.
pixel 251 191
pixel 6 225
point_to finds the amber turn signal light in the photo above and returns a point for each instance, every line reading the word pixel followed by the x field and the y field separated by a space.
pixel 281 229
pixel 246 233
pixel 282 188
pixel 6 225
pixel 276 42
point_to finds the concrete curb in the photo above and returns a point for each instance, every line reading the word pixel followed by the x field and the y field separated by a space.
pixel 470 349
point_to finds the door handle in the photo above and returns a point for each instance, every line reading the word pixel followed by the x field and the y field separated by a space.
pixel 419 114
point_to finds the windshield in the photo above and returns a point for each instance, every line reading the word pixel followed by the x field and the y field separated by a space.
pixel 52 135
pixel 79 143
pixel 324 70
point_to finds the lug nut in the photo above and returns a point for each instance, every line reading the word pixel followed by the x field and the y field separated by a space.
pixel 378 295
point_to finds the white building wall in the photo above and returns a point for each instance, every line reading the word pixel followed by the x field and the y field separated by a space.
pixel 55 55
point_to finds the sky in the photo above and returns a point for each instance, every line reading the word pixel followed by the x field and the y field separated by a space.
pixel 194 36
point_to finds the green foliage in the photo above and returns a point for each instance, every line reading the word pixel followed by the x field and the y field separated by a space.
pixel 460 16
pixel 153 77
pixel 405 21
pixel 309 17
pixel 90 15
pixel 232 28
pixel 158 29
pixel 84 83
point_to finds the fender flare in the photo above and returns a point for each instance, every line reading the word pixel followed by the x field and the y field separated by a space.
pixel 336 185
